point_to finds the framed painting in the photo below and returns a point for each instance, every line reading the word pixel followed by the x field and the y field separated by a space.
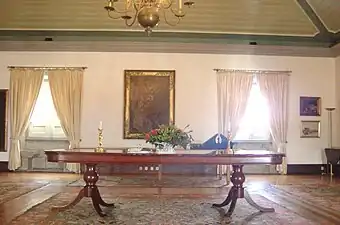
pixel 310 129
pixel 149 101
pixel 3 119
pixel 310 106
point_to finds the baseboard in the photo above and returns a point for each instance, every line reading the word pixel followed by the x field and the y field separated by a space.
pixel 306 169
pixel 4 167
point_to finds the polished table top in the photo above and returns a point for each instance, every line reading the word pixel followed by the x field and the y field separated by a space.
pixel 87 155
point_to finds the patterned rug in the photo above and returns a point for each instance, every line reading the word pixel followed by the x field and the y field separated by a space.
pixel 156 211
pixel 325 195
pixel 152 181
pixel 10 190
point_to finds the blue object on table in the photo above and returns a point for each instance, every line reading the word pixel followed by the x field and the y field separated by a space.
pixel 222 143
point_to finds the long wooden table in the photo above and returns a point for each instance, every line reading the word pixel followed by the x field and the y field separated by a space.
pixel 91 159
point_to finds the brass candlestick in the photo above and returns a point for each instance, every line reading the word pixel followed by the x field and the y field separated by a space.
pixel 100 141
pixel 229 149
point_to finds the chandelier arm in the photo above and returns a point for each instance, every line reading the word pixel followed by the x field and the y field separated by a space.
pixel 121 12
pixel 171 24
pixel 170 3
pixel 127 8
pixel 133 21
pixel 181 15
pixel 140 5
pixel 112 17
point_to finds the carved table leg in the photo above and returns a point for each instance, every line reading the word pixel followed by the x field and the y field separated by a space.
pixel 237 191
pixel 89 190
pixel 255 205
pixel 227 200
pixel 232 207
pixel 160 171
pixel 79 197
pixel 96 194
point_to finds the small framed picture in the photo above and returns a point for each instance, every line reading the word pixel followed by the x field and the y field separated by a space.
pixel 310 106
pixel 310 129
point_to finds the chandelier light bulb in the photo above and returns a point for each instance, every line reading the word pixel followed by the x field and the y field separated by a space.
pixel 109 6
pixel 189 3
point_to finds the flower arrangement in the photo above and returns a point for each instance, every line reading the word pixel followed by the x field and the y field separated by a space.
pixel 169 134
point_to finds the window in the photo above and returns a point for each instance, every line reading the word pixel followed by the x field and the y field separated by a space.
pixel 44 121
pixel 255 123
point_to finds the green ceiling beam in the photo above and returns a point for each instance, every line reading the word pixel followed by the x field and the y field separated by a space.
pixel 324 34
pixel 179 37
pixel 337 38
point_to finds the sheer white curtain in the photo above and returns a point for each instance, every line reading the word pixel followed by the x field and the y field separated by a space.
pixel 24 90
pixel 233 90
pixel 274 86
pixel 66 89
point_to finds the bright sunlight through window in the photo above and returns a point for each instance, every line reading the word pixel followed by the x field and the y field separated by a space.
pixel 255 123
pixel 44 121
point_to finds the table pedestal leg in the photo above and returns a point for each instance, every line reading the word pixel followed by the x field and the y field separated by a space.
pixel 160 171
pixel 89 190
pixel 79 197
pixel 237 191
pixel 255 205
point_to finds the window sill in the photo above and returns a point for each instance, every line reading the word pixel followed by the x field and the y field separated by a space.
pixel 46 139
pixel 252 141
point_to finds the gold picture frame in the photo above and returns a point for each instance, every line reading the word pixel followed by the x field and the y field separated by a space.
pixel 149 101
pixel 4 145
pixel 310 129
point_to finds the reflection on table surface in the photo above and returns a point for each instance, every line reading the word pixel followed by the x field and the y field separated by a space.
pixel 178 151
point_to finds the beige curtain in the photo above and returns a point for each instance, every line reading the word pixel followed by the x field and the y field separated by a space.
pixel 66 89
pixel 233 90
pixel 24 90
pixel 274 87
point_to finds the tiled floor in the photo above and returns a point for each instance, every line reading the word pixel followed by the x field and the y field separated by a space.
pixel 36 188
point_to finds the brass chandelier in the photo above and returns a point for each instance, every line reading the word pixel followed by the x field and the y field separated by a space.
pixel 147 12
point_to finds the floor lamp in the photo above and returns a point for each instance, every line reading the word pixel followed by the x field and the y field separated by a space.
pixel 330 133
pixel 330 126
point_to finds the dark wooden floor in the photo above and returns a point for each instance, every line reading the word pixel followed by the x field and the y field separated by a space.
pixel 57 182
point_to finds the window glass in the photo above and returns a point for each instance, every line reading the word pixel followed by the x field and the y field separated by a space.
pixel 44 122
pixel 44 112
pixel 255 123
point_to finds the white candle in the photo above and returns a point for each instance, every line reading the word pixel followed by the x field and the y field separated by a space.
pixel 180 4
pixel 100 125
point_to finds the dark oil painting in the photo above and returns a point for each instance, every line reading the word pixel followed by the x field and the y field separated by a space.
pixel 3 118
pixel 149 101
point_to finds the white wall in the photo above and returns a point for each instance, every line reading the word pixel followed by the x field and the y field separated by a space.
pixel 195 90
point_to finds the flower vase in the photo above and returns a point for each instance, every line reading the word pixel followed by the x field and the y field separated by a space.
pixel 165 148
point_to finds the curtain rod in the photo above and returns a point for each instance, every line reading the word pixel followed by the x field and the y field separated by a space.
pixel 45 68
pixel 252 71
